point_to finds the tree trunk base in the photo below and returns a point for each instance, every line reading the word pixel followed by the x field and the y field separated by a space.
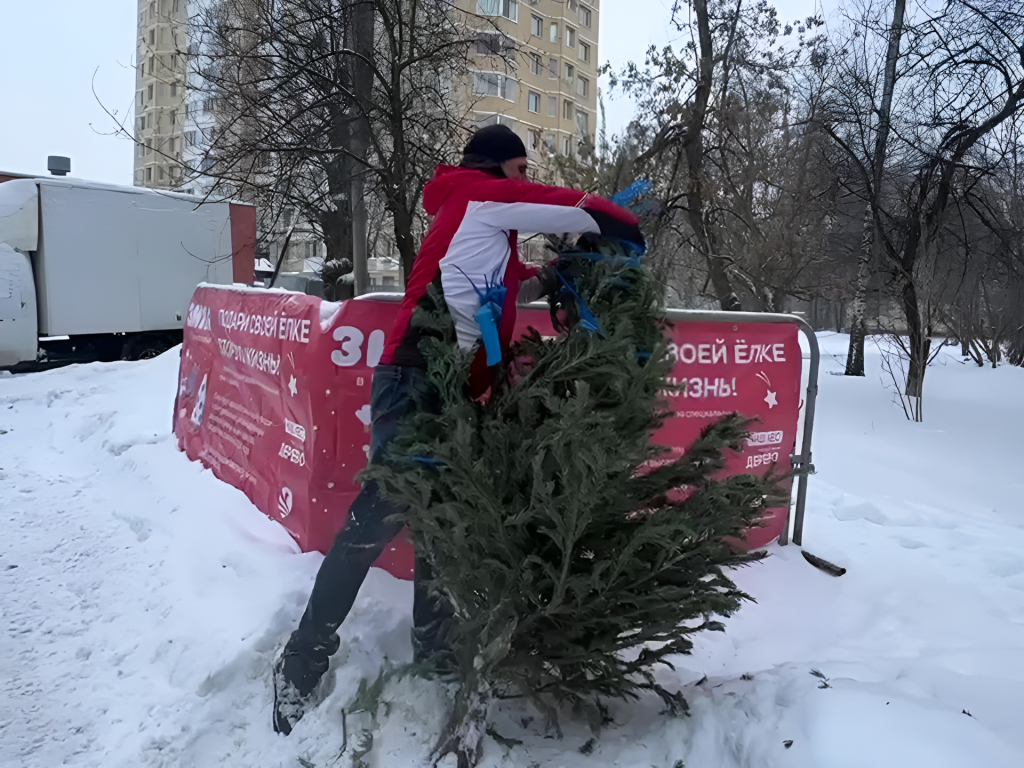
pixel 855 355
pixel 463 735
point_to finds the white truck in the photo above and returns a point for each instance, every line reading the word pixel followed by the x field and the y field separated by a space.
pixel 93 271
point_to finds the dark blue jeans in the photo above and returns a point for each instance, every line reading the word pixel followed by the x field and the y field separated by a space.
pixel 372 523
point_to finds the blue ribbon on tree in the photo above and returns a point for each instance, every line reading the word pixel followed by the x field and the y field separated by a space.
pixel 587 318
pixel 637 189
pixel 492 298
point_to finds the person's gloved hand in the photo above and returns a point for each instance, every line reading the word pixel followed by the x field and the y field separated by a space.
pixel 549 280
pixel 617 228
pixel 520 368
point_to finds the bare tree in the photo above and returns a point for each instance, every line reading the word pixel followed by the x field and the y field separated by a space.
pixel 731 152
pixel 318 103
pixel 863 85
pixel 959 79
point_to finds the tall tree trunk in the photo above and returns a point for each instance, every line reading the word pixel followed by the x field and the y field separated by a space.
pixel 694 147
pixel 337 229
pixel 335 220
pixel 858 307
pixel 920 344
pixel 362 16
pixel 858 328
pixel 404 240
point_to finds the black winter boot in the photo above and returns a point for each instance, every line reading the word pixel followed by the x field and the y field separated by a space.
pixel 295 679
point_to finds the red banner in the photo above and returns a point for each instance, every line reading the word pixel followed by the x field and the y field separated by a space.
pixel 274 397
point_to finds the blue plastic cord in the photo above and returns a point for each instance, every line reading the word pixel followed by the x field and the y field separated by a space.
pixel 428 461
pixel 587 318
pixel 489 315
pixel 632 192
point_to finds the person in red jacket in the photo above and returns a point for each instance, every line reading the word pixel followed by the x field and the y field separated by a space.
pixel 477 209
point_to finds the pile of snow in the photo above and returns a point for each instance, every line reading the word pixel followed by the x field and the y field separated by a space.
pixel 143 601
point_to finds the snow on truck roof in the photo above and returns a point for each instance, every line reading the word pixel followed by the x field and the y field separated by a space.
pixel 70 181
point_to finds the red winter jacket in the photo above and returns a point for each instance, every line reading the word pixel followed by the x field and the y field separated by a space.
pixel 472 239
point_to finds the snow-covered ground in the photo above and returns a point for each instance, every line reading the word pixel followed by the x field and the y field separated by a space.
pixel 141 601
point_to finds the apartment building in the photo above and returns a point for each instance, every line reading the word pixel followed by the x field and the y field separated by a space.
pixel 160 113
pixel 538 72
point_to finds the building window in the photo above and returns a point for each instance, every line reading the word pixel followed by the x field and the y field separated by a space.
pixel 570 73
pixel 493 84
pixel 582 123
pixel 507 8
pixel 533 102
pixel 493 44
pixel 567 110
pixel 142 98
pixel 389 281
pixel 152 36
pixel 536 26
pixel 149 91
pixel 536 64
pixel 583 86
pixel 585 16
pixel 566 146
pixel 497 120
pixel 553 68
pixel 174 89
pixel 553 36
pixel 149 174
pixel 549 143
pixel 149 147
pixel 174 117
pixel 161 173
pixel 552 106
pixel 532 140
pixel 584 51
pixel 570 37
pixel 170 145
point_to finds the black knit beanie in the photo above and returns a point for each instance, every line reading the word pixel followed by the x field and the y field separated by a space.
pixel 496 143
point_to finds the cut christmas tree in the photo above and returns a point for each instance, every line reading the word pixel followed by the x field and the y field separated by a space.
pixel 575 555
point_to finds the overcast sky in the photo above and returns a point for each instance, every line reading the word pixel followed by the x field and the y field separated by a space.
pixel 55 54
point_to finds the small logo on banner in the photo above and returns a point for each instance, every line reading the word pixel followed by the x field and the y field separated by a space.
pixel 765 438
pixel 284 501
pixel 294 455
pixel 295 430
pixel 770 398
pixel 200 406
pixel 198 317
